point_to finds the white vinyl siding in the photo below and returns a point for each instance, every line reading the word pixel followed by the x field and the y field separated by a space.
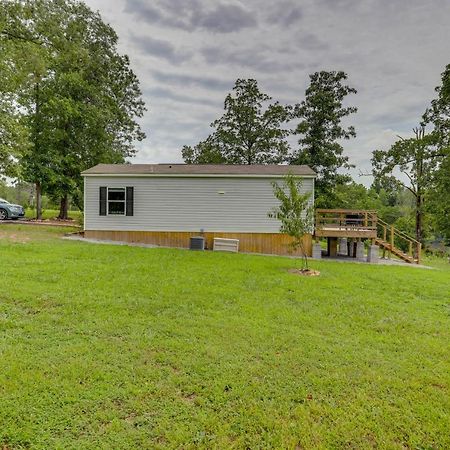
pixel 189 204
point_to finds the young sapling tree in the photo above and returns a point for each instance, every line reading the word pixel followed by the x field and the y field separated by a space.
pixel 295 213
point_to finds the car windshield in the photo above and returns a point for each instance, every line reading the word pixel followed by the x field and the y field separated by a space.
pixel 2 200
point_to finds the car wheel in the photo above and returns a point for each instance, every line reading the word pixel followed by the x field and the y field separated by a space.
pixel 3 214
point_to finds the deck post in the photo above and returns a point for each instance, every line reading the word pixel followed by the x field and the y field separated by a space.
pixel 317 250
pixel 360 250
pixel 392 241
pixel 419 251
pixel 332 247
pixel 373 254
pixel 343 248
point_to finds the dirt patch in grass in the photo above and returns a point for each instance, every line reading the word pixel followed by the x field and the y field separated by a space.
pixel 189 398
pixel 305 272
pixel 15 237
pixel 54 222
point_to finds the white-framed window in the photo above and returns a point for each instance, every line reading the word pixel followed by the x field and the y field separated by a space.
pixel 116 201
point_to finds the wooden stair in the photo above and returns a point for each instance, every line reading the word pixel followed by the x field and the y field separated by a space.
pixel 388 236
pixel 396 251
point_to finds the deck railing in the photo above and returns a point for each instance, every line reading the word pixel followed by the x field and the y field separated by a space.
pixel 346 219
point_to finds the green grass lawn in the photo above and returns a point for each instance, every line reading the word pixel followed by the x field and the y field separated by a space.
pixel 120 347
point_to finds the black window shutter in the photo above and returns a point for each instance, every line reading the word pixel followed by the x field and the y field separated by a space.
pixel 102 196
pixel 130 201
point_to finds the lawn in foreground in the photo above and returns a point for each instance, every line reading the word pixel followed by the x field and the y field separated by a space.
pixel 122 347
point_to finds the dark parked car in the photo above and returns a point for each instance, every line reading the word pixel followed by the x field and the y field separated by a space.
pixel 10 211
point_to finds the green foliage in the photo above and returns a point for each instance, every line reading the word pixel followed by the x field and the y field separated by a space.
pixel 80 95
pixel 250 132
pixel 389 203
pixel 439 204
pixel 13 133
pixel 295 212
pixel 439 112
pixel 356 196
pixel 51 214
pixel 205 152
pixel 388 188
pixel 19 193
pixel 439 115
pixel 406 224
pixel 120 347
pixel 321 131
pixel 415 159
pixel 13 138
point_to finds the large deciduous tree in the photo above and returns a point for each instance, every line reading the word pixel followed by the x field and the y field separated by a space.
pixel 26 56
pixel 250 131
pixel 321 130
pixel 13 133
pixel 82 100
pixel 439 199
pixel 438 114
pixel 13 137
pixel 413 162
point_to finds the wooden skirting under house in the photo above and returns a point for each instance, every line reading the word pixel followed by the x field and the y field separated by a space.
pixel 266 243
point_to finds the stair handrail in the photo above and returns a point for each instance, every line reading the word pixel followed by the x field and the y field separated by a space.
pixel 399 232
pixel 410 240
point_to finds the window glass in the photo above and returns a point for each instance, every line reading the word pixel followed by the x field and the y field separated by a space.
pixel 116 194
pixel 116 201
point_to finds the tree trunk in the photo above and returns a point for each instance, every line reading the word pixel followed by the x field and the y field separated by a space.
pixel 36 149
pixel 419 218
pixel 64 208
pixel 38 201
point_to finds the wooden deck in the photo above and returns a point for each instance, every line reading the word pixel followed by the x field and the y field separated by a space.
pixel 364 224
pixel 347 223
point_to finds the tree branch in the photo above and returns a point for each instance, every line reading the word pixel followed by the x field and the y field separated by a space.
pixel 10 35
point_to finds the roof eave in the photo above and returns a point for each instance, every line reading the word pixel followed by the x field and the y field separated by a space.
pixel 193 175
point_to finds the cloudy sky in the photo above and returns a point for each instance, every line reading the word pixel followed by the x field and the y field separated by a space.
pixel 188 53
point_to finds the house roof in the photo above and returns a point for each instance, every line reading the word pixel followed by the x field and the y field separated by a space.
pixel 198 169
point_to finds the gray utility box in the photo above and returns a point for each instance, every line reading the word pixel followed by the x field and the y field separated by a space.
pixel 197 243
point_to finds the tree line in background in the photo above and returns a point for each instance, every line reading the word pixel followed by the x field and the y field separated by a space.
pixel 68 99
pixel 411 186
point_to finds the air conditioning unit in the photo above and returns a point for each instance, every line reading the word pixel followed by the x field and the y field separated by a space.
pixel 226 245
pixel 197 243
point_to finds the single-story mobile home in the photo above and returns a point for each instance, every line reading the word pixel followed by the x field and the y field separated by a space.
pixel 167 204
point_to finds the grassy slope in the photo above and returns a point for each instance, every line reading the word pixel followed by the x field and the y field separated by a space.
pixel 122 347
